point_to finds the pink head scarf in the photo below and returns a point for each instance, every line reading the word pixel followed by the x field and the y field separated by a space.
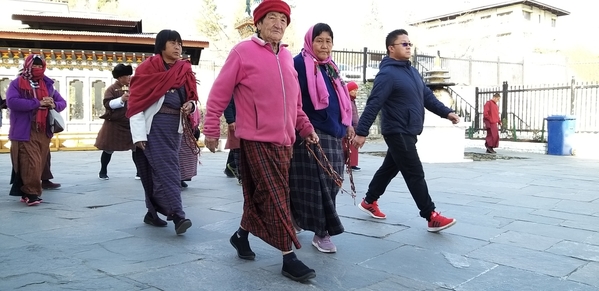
pixel 316 84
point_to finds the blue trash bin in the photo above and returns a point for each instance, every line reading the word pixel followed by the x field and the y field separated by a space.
pixel 560 135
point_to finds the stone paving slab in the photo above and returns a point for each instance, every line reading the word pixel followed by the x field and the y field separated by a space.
pixel 529 223
pixel 522 258
pixel 507 278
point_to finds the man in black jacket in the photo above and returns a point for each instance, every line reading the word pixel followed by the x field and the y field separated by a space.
pixel 402 96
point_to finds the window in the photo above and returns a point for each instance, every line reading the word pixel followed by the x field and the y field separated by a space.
pixel 526 14
pixel 98 88
pixel 504 17
pixel 539 18
pixel 75 101
pixel 485 17
pixel 553 22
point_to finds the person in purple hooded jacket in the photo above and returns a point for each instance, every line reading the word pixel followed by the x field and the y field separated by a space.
pixel 29 98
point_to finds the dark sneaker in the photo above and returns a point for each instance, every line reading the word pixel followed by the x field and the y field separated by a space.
pixel 103 176
pixel 296 270
pixel 33 200
pixel 149 219
pixel 296 227
pixel 437 222
pixel 242 245
pixel 228 173
pixel 372 209
pixel 356 169
pixel 233 170
pixel 182 225
pixel 48 185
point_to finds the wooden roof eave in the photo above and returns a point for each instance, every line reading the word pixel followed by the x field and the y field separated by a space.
pixel 26 18
pixel 120 39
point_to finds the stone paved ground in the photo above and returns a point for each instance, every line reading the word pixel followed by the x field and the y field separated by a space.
pixel 523 224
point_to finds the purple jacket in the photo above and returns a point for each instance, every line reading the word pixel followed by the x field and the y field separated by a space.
pixel 23 109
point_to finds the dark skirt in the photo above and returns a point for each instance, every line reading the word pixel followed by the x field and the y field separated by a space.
pixel 158 167
pixel 114 136
pixel 265 184
pixel 47 173
pixel 313 192
pixel 492 139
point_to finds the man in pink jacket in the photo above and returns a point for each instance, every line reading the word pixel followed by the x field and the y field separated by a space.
pixel 259 73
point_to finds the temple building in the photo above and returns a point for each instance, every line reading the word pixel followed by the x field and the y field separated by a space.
pixel 80 50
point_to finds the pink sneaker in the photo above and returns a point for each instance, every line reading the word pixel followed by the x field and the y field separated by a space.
pixel 324 244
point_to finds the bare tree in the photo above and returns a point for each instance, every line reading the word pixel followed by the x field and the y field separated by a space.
pixel 372 30
pixel 212 25
pixel 583 63
pixel 107 5
pixel 94 5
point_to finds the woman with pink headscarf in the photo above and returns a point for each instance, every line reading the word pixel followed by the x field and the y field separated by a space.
pixel 29 98
pixel 326 102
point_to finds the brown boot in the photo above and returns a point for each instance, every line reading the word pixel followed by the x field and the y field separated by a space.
pixel 48 185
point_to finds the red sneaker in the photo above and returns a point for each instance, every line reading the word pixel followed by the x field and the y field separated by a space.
pixel 438 222
pixel 372 209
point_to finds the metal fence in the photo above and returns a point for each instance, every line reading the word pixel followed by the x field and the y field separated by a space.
pixel 358 61
pixel 524 108
pixel 367 60
pixel 472 71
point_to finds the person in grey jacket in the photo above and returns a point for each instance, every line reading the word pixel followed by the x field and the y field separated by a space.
pixel 400 93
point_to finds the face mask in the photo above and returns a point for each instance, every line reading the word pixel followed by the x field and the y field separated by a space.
pixel 37 73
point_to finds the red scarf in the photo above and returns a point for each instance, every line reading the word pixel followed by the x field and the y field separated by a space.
pixel 152 80
pixel 42 91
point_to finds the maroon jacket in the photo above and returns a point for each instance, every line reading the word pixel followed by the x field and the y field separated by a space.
pixel 491 113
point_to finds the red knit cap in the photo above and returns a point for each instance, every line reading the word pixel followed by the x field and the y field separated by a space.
pixel 352 86
pixel 272 6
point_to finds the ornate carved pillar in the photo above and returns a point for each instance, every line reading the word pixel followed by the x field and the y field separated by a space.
pixel 245 26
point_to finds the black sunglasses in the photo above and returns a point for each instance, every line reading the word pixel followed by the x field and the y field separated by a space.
pixel 404 44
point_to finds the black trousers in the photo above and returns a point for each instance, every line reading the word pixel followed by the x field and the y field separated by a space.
pixel 230 158
pixel 402 156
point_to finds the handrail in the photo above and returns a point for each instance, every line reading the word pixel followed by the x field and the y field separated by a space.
pixel 453 93
pixel 519 119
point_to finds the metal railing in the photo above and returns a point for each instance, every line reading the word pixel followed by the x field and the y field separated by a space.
pixel 524 108
pixel 460 105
